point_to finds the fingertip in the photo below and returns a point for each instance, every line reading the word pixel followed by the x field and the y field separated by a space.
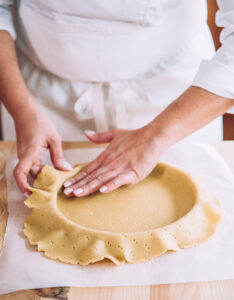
pixel 78 192
pixel 63 165
pixel 103 189
pixel 100 137
pixel 36 169
pixel 68 192
pixel 89 133
pixel 67 184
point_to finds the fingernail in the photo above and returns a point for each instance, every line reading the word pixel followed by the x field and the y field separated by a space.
pixel 67 184
pixel 66 165
pixel 26 194
pixel 103 188
pixel 78 191
pixel 90 132
pixel 35 169
pixel 68 191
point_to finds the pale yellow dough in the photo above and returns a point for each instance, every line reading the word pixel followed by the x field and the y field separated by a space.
pixel 167 211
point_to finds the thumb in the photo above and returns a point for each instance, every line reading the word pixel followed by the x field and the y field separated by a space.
pixel 56 155
pixel 22 169
pixel 100 137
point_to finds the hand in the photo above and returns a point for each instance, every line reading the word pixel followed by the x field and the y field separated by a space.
pixel 130 156
pixel 35 134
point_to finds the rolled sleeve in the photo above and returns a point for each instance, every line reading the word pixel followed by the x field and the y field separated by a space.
pixel 6 22
pixel 217 75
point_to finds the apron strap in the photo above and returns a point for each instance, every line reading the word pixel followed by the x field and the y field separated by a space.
pixel 91 105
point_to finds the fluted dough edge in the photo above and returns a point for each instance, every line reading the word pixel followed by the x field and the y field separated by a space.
pixel 61 239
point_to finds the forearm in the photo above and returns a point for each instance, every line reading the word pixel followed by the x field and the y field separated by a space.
pixel 13 91
pixel 192 110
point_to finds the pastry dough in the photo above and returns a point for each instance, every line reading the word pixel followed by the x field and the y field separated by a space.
pixel 167 211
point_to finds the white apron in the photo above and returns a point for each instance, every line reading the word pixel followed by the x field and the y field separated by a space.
pixel 97 66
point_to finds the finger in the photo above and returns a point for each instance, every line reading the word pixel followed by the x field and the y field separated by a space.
pixel 85 171
pixel 22 169
pixel 56 154
pixel 93 176
pixel 36 169
pixel 100 137
pixel 94 185
pixel 122 179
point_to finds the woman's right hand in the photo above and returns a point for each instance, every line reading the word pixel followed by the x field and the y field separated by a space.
pixel 35 134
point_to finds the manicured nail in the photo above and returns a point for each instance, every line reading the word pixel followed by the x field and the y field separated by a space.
pixel 103 188
pixel 65 165
pixel 35 169
pixel 67 184
pixel 78 191
pixel 90 132
pixel 68 191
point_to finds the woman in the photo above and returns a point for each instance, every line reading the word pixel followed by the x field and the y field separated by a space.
pixel 105 65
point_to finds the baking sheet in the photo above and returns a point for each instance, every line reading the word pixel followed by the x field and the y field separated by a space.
pixel 22 267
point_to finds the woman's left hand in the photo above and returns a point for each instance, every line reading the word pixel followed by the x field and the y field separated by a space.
pixel 130 156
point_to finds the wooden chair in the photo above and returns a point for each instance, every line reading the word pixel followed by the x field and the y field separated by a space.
pixel 228 119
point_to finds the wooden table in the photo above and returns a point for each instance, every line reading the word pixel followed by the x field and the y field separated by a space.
pixel 214 290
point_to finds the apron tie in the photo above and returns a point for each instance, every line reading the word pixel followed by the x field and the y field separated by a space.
pixel 91 105
pixel 119 99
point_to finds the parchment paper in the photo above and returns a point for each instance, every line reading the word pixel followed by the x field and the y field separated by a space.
pixel 22 267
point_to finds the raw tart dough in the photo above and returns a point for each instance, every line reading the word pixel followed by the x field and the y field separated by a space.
pixel 169 210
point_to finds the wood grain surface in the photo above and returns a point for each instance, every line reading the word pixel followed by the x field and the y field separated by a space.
pixel 214 290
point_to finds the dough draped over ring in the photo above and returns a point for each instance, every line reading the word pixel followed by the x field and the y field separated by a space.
pixel 169 210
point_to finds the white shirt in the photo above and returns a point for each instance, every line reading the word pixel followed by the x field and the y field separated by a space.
pixel 215 75
pixel 6 18
pixel 117 64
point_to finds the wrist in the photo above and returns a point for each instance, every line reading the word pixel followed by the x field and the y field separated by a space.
pixel 25 113
pixel 159 135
